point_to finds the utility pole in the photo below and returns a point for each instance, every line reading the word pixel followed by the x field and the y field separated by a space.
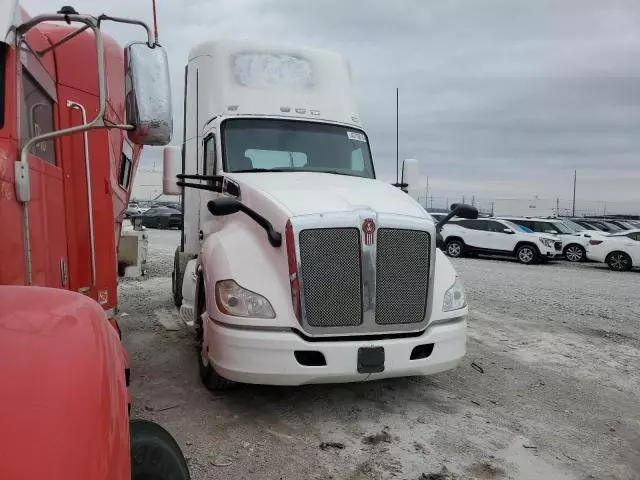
pixel 575 177
pixel 473 201
pixel 446 204
pixel 431 201
pixel 557 206
pixel 426 194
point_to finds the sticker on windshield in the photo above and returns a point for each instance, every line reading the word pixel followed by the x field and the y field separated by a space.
pixel 357 136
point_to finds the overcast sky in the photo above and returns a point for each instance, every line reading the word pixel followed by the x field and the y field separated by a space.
pixel 498 98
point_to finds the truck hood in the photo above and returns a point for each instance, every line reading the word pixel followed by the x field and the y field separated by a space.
pixel 304 193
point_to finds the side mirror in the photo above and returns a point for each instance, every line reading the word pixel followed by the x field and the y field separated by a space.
pixel 459 210
pixel 410 177
pixel 224 206
pixel 171 166
pixel 509 231
pixel 228 206
pixel 148 94
pixel 462 210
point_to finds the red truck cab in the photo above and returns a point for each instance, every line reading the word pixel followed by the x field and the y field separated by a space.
pixel 75 111
pixel 63 198
pixel 74 216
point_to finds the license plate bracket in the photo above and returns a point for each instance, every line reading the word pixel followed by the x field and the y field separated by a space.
pixel 370 359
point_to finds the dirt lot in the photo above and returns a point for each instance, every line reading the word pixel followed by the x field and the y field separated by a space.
pixel 550 389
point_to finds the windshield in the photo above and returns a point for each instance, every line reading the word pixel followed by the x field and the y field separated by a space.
pixel 258 145
pixel 573 226
pixel 517 227
pixel 561 227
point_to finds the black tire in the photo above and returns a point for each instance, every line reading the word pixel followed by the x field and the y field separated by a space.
pixel 180 261
pixel 619 261
pixel 155 455
pixel 527 254
pixel 454 248
pixel 574 253
pixel 177 276
pixel 210 378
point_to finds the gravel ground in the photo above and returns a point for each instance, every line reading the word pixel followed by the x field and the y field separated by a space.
pixel 549 389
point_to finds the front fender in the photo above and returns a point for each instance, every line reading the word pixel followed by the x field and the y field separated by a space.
pixel 241 252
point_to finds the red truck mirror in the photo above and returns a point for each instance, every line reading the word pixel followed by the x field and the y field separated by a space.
pixel 148 94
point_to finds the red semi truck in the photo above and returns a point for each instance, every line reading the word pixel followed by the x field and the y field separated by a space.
pixel 67 157
pixel 75 111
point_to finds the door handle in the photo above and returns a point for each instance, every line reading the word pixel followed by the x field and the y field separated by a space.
pixel 200 234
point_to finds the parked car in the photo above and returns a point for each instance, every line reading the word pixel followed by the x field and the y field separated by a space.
pixel 620 251
pixel 601 225
pixel 498 237
pixel 162 217
pixel 574 246
pixel 133 209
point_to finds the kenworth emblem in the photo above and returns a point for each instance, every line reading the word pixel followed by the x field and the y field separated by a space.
pixel 368 228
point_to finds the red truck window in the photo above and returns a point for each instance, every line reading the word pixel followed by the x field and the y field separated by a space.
pixel 125 172
pixel 38 117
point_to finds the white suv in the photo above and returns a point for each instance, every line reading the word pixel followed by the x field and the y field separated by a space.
pixel 574 245
pixel 498 237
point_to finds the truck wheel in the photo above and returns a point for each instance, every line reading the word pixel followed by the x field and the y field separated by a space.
pixel 210 378
pixel 619 261
pixel 155 453
pixel 454 248
pixel 526 254
pixel 574 253
pixel 180 260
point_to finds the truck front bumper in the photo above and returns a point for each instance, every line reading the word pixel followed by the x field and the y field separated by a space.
pixel 269 357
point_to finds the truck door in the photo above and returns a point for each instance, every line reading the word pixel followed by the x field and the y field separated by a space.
pixel 47 221
pixel 208 166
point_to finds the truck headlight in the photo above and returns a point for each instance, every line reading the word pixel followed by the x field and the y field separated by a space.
pixel 236 301
pixel 454 298
pixel 546 242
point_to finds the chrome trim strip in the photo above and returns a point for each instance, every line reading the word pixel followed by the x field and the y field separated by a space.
pixel 368 255
pixel 354 219
pixel 253 328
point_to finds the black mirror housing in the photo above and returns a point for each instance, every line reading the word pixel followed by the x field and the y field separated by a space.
pixel 224 206
pixel 459 210
pixel 228 206
pixel 465 211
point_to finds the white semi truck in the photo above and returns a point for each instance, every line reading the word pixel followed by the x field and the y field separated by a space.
pixel 296 265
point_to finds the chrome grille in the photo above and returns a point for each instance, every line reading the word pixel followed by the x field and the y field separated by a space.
pixel 331 276
pixel 402 275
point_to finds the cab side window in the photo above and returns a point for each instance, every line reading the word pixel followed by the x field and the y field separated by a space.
pixel 38 117
pixel 124 178
pixel 209 156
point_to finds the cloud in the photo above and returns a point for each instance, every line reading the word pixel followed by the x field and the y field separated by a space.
pixel 497 97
